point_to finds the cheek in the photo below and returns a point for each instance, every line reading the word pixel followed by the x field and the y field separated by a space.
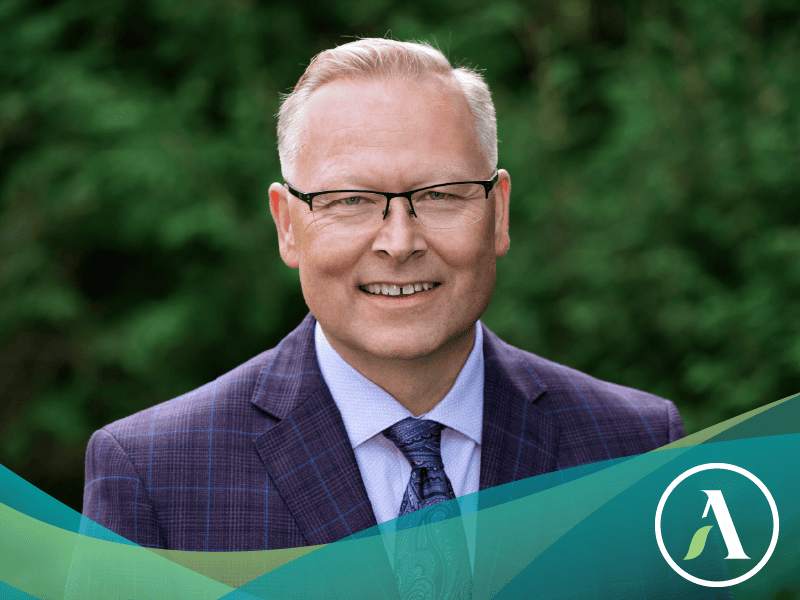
pixel 326 257
pixel 468 250
pixel 477 260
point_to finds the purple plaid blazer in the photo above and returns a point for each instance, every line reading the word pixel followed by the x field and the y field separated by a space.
pixel 260 459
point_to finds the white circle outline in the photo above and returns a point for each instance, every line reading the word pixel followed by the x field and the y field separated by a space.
pixel 772 506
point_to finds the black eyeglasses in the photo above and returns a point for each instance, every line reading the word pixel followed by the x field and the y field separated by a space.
pixel 440 206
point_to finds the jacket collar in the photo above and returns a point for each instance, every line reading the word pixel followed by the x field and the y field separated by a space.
pixel 519 439
pixel 307 452
pixel 310 459
pixel 292 373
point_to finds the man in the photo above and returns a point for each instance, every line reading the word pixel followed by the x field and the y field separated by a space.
pixel 303 444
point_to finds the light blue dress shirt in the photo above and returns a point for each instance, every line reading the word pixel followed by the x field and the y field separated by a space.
pixel 367 410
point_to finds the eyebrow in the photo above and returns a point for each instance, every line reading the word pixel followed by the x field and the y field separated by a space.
pixel 444 175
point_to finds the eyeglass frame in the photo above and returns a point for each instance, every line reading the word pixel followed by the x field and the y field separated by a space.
pixel 488 186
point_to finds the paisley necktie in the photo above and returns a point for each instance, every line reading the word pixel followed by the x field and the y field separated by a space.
pixel 431 557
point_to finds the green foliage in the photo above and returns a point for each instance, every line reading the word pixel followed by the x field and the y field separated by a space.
pixel 653 149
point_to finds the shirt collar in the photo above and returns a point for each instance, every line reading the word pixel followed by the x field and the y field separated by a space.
pixel 367 409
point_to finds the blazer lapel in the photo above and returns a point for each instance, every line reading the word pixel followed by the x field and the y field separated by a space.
pixel 307 453
pixel 518 439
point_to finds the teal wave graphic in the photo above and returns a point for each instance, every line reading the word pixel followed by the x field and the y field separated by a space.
pixel 584 532
pixel 8 592
pixel 26 498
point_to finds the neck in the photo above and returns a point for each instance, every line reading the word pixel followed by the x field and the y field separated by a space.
pixel 418 384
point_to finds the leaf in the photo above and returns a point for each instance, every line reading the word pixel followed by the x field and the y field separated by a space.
pixel 698 542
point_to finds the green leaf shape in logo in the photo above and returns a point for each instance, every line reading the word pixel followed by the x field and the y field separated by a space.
pixel 698 542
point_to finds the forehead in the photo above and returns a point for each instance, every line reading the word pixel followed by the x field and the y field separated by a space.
pixel 388 132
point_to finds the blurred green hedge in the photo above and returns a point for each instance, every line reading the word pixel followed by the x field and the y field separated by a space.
pixel 653 149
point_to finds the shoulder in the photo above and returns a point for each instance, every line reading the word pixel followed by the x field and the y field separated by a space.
pixel 569 389
pixel 584 405
pixel 219 404
pixel 563 386
pixel 241 400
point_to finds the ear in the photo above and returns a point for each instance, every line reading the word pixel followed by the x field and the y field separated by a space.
pixel 279 207
pixel 502 197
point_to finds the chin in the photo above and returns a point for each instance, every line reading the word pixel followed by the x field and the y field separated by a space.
pixel 410 343
pixel 413 349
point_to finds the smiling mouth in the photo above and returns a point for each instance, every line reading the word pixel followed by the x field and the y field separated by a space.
pixel 398 291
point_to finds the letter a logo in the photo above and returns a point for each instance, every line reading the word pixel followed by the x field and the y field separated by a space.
pixel 716 505
pixel 716 502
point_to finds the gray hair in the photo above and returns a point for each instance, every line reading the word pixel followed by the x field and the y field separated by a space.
pixel 376 58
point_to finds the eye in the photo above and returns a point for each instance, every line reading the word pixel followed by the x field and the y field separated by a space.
pixel 352 200
pixel 437 195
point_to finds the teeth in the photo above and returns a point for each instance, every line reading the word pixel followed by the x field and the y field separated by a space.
pixel 395 290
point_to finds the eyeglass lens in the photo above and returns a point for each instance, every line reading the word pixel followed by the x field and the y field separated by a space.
pixel 444 207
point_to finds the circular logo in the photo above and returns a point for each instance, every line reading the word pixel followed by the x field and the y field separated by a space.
pixel 726 467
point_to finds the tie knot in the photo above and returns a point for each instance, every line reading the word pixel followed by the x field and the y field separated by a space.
pixel 419 440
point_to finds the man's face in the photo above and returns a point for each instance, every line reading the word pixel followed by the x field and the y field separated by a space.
pixel 391 136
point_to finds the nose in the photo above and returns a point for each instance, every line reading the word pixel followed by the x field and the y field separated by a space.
pixel 399 236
